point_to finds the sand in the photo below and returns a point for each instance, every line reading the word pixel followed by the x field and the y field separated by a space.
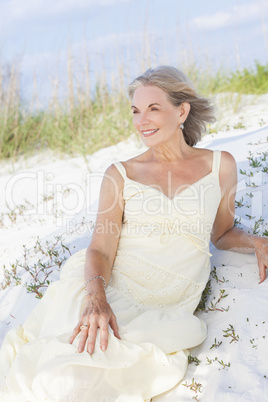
pixel 50 200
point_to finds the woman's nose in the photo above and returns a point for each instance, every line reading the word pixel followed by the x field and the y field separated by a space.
pixel 143 119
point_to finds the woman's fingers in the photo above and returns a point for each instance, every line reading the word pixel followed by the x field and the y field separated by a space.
pixel 91 337
pixel 74 334
pixel 83 338
pixel 262 272
pixel 114 326
pixel 262 263
pixel 104 334
pixel 98 319
pixel 261 250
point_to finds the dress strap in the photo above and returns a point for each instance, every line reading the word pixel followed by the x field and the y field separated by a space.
pixel 216 162
pixel 121 169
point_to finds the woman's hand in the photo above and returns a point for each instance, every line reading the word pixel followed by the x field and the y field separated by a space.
pixel 261 250
pixel 97 314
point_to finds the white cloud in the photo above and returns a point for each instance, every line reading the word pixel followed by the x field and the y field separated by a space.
pixel 213 21
pixel 236 15
pixel 18 10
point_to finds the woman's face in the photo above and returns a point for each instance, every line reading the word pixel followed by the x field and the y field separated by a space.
pixel 154 117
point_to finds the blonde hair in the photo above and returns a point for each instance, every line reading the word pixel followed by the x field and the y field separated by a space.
pixel 179 89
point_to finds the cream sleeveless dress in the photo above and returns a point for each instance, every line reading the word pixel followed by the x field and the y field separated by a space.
pixel 160 270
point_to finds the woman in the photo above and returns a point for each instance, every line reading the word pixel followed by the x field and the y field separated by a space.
pixel 157 213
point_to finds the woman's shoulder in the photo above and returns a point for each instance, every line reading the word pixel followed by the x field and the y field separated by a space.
pixel 136 159
pixel 226 157
pixel 132 163
pixel 228 166
pixel 203 156
pixel 228 171
pixel 115 173
pixel 118 170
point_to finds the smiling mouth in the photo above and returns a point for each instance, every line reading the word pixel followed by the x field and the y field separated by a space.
pixel 148 133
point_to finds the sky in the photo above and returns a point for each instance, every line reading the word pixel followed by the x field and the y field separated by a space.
pixel 108 36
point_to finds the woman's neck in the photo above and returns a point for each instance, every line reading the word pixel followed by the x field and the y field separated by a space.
pixel 171 152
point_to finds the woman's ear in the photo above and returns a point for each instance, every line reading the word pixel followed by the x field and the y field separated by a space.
pixel 184 110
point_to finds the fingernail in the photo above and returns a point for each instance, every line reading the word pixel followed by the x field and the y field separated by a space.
pixel 103 348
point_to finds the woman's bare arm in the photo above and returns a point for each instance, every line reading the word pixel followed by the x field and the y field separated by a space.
pixel 103 246
pixel 100 255
pixel 224 234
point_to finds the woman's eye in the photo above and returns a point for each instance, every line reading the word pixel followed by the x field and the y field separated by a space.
pixel 154 108
pixel 135 111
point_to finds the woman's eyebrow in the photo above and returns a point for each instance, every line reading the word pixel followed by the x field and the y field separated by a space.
pixel 152 104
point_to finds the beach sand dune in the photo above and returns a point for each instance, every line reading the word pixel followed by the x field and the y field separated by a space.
pixel 52 203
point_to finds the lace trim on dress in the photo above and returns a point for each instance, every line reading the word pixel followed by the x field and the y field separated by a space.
pixel 165 230
pixel 150 285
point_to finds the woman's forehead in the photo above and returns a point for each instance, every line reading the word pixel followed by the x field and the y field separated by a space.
pixel 150 94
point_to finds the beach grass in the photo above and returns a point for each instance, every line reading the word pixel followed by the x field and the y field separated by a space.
pixel 88 120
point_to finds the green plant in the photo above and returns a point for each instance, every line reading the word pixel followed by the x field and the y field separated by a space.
pixel 18 210
pixel 214 306
pixel 193 386
pixel 257 226
pixel 252 343
pixel 239 125
pixel 204 298
pixel 237 221
pixel 250 81
pixel 95 114
pixel 222 363
pixel 50 258
pixel 192 359
pixel 214 275
pixel 262 122
pixel 230 332
pixel 210 361
pixel 216 344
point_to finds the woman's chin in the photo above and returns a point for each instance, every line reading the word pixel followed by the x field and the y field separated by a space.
pixel 149 139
